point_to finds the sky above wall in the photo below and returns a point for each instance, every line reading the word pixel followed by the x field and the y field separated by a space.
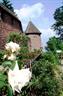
pixel 40 12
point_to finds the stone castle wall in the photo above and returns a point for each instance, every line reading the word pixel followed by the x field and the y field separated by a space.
pixel 35 42
pixel 7 24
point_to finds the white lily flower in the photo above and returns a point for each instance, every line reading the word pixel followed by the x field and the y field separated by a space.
pixel 18 78
pixel 12 57
pixel 5 56
pixel 12 76
pixel 12 46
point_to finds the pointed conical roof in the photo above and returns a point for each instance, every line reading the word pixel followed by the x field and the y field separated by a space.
pixel 31 29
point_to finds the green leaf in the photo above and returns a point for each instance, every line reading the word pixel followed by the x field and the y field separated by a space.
pixel 7 63
pixel 2 84
pixel 2 80
pixel 10 92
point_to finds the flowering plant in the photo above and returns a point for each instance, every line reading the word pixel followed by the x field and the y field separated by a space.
pixel 17 78
pixel 11 50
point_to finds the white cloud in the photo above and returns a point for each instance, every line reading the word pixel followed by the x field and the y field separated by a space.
pixel 30 11
pixel 46 34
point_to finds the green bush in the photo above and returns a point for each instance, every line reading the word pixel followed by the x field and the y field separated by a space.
pixel 44 82
pixel 21 39
pixel 51 57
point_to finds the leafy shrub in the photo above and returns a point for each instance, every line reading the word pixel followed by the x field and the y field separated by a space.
pixel 44 82
pixel 21 39
pixel 51 57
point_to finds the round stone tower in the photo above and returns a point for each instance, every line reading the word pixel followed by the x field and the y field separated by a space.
pixel 35 36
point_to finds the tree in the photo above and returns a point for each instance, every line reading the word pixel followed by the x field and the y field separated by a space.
pixel 8 4
pixel 54 44
pixel 58 25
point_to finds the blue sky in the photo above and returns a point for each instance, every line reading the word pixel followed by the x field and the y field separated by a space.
pixel 40 12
